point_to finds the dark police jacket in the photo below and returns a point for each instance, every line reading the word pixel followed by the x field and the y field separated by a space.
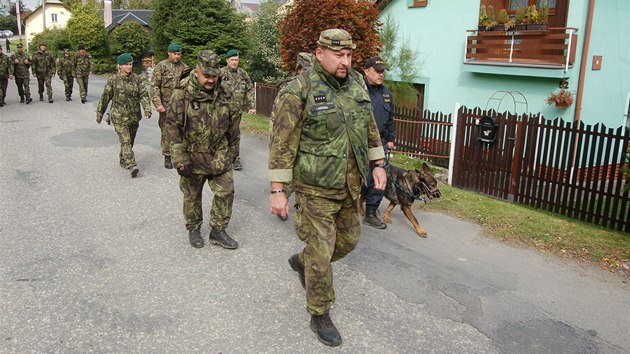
pixel 383 106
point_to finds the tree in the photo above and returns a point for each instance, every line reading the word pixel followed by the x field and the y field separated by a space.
pixel 299 31
pixel 73 4
pixel 56 39
pixel 132 38
pixel 86 26
pixel 266 62
pixel 402 61
pixel 208 24
pixel 8 22
pixel 12 9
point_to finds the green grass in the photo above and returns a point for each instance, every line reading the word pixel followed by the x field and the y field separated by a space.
pixel 513 223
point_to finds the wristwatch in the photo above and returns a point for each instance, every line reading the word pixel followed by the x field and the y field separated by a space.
pixel 381 165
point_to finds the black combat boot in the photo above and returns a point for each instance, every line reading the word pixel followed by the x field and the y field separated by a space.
pixel 134 172
pixel 21 99
pixel 68 98
pixel 121 163
pixel 371 219
pixel 168 163
pixel 237 164
pixel 326 331
pixel 83 100
pixel 50 100
pixel 221 238
pixel 294 262
pixel 194 236
pixel 29 100
pixel 41 97
pixel 2 103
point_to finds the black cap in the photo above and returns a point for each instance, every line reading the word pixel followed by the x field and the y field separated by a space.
pixel 81 46
pixel 376 63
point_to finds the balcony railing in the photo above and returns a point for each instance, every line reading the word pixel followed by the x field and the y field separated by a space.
pixel 551 48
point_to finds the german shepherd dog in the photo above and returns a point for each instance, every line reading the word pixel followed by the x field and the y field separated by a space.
pixel 403 188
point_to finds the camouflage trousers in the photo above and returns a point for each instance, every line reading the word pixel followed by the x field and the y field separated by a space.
pixel 222 187
pixel 4 83
pixel 68 84
pixel 23 86
pixel 330 229
pixel 82 80
pixel 44 80
pixel 166 151
pixel 127 135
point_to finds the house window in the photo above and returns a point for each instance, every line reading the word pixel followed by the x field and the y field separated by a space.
pixel 417 3
pixel 515 4
pixel 54 18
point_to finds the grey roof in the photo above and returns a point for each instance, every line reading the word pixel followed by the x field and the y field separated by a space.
pixel 120 16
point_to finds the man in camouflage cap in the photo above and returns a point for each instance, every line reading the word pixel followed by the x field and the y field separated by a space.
pixel 323 138
pixel 21 64
pixel 166 77
pixel 44 70
pixel 237 82
pixel 128 94
pixel 203 133
pixel 65 71
pixel 82 70
pixel 6 73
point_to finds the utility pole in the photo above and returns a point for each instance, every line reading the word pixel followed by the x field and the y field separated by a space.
pixel 18 18
pixel 44 12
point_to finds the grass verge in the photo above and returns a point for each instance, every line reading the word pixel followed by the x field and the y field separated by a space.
pixel 514 223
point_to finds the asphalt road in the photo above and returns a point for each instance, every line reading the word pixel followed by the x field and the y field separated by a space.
pixel 94 261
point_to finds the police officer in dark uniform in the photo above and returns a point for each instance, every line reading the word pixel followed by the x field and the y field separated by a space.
pixel 382 104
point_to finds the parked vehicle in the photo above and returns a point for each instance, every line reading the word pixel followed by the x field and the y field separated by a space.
pixel 6 33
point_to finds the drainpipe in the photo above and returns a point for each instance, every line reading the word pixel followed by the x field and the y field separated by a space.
pixel 44 12
pixel 584 60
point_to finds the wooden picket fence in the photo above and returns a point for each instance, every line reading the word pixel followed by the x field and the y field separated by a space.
pixel 567 168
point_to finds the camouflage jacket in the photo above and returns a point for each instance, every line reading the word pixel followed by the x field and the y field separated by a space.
pixel 21 67
pixel 166 77
pixel 82 65
pixel 127 93
pixel 6 66
pixel 240 86
pixel 202 129
pixel 65 67
pixel 43 63
pixel 324 134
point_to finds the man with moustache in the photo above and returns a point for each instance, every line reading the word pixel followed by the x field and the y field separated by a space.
pixel 324 135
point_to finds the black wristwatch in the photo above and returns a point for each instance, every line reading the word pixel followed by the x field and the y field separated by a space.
pixel 381 165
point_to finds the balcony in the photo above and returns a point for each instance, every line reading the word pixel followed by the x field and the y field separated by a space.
pixel 547 53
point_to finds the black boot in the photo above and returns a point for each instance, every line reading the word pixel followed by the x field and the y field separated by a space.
pixel 21 99
pixel 41 97
pixel 237 165
pixel 121 163
pixel 50 100
pixel 194 236
pixel 221 238
pixel 326 331
pixel 371 219
pixel 83 100
pixel 294 262
pixel 134 172
pixel 29 100
pixel 68 98
pixel 168 163
pixel 2 103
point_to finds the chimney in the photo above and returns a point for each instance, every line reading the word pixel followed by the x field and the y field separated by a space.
pixel 107 12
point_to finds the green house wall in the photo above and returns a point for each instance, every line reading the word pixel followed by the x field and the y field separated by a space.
pixel 438 32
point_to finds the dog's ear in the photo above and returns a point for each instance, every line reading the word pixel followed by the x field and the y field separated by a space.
pixel 426 169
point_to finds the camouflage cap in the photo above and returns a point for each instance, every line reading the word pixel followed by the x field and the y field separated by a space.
pixel 305 60
pixel 336 39
pixel 42 43
pixel 20 45
pixel 208 62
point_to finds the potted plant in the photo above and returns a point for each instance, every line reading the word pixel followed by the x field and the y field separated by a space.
pixel 535 19
pixel 520 17
pixel 486 18
pixel 562 98
pixel 505 22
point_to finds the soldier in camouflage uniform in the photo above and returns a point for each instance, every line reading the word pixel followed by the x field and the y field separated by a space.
pixel 324 136
pixel 166 76
pixel 204 136
pixel 127 93
pixel 44 70
pixel 65 71
pixel 82 69
pixel 236 81
pixel 21 63
pixel 6 73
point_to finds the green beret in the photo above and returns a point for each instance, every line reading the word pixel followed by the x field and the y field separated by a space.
pixel 174 47
pixel 124 58
pixel 231 53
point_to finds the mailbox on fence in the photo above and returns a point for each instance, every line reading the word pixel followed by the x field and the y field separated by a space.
pixel 487 129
